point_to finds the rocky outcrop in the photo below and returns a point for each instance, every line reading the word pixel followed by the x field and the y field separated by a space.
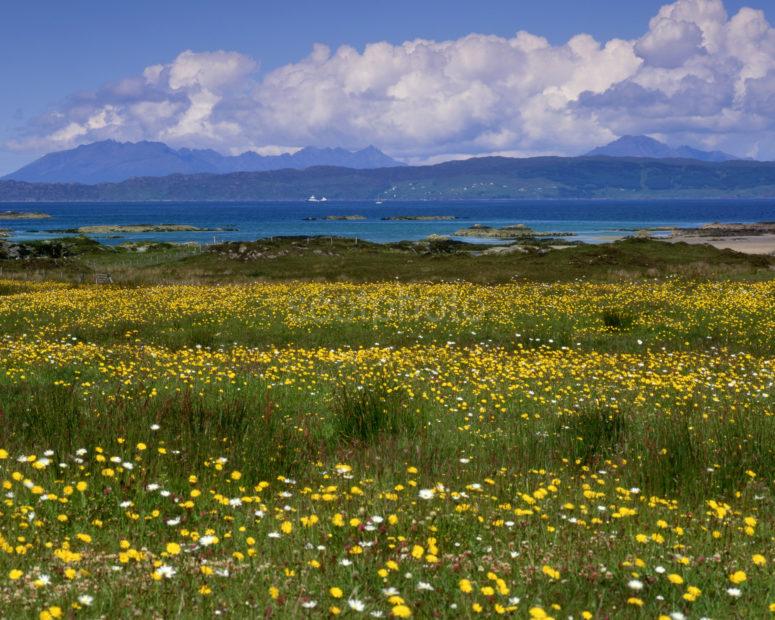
pixel 514 231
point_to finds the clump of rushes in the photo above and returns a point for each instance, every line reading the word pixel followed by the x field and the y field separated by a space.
pixel 366 413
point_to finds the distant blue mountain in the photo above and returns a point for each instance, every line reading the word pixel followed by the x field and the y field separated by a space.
pixel 643 146
pixel 111 162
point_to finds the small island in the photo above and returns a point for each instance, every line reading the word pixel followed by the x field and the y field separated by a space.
pixel 23 215
pixel 336 218
pixel 514 231
pixel 139 228
pixel 419 218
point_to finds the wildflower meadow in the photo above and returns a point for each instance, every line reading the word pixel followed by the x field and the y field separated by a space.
pixel 566 450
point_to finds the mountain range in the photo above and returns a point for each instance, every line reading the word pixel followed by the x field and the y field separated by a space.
pixel 478 178
pixel 644 146
pixel 110 161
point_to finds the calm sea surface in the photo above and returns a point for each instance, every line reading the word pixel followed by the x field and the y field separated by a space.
pixel 592 221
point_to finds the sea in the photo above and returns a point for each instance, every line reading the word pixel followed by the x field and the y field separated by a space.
pixel 591 221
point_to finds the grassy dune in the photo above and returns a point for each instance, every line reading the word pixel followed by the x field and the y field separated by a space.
pixel 430 450
pixel 332 259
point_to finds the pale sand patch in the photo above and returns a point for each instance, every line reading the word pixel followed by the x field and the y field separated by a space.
pixel 753 244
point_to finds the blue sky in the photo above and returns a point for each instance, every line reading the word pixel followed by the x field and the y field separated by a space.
pixel 66 69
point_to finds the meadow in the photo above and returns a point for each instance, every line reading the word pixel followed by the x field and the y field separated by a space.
pixel 584 449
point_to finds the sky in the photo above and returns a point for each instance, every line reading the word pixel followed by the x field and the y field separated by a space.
pixel 424 80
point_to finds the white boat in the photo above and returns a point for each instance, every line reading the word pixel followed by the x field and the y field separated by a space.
pixel 323 199
pixel 377 202
pixel 313 199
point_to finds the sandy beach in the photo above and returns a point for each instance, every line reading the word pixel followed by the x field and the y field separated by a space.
pixel 748 244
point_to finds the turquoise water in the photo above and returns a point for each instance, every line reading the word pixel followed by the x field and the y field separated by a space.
pixel 592 221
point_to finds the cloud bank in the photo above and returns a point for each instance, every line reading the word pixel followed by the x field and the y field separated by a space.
pixel 697 76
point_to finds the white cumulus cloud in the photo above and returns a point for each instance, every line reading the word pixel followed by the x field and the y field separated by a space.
pixel 697 75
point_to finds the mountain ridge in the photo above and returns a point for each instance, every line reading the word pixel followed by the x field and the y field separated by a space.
pixel 645 146
pixel 476 178
pixel 110 161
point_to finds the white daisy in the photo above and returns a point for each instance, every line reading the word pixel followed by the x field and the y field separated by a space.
pixel 85 599
pixel 635 584
pixel 166 571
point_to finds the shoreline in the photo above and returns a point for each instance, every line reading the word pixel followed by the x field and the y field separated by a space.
pixel 428 201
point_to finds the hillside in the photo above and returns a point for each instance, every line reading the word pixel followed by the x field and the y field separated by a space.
pixel 482 178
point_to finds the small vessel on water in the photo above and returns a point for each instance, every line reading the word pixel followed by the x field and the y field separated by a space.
pixel 314 198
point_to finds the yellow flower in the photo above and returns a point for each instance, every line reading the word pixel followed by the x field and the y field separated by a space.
pixel 274 592
pixel 286 527
pixel 401 611
pixel 738 577
pixel 235 475
pixel 335 592
pixel 465 586
pixel 417 552
pixel 51 612
pixel 676 579
pixel 173 548
pixel 633 600
pixel 15 574
pixel 759 559
pixel 550 572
